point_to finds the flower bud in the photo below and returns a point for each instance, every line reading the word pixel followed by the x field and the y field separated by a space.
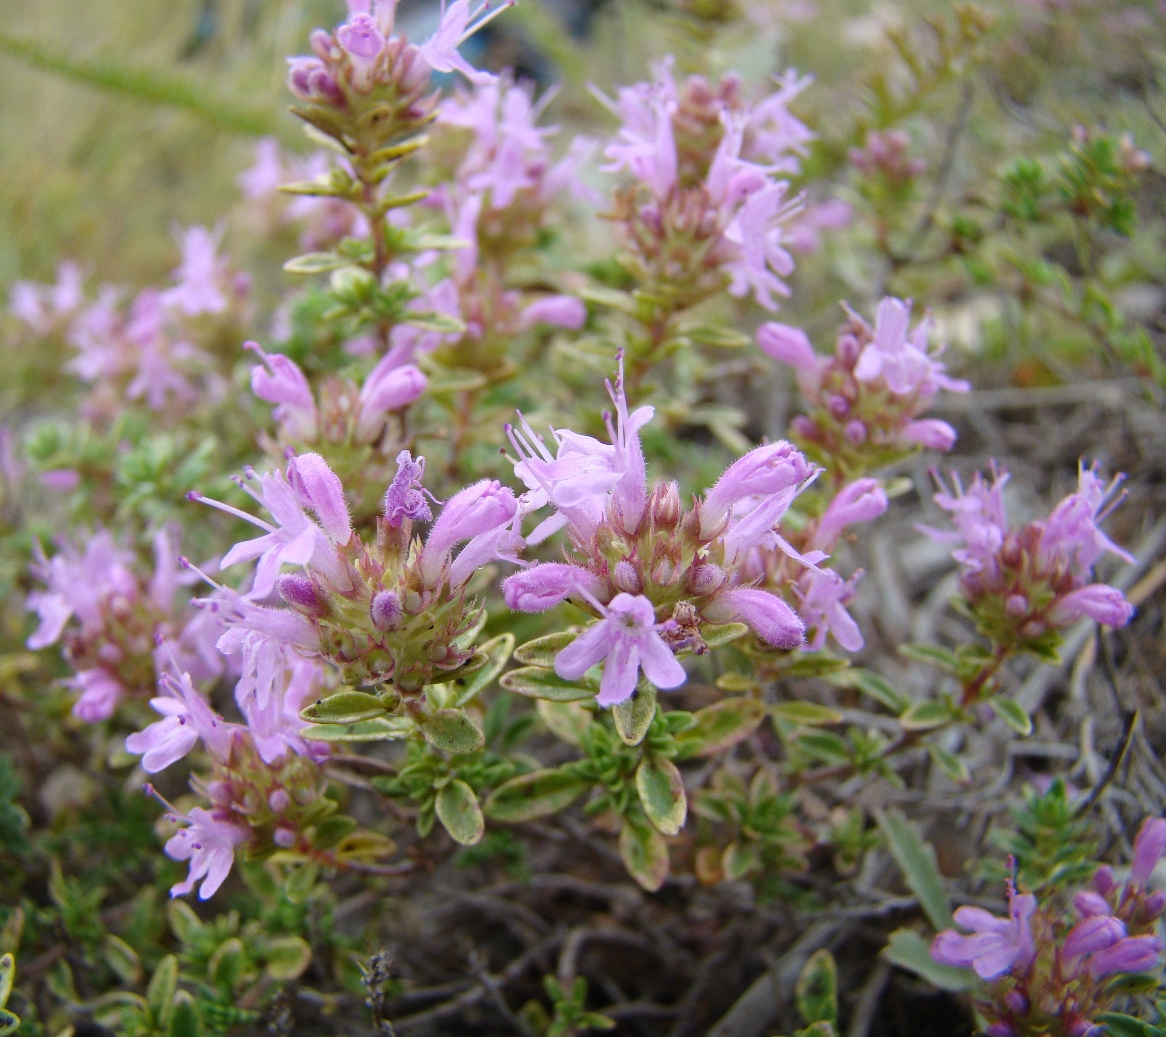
pixel 279 800
pixel 385 610
pixel 1092 934
pixel 1103 880
pixel 546 585
pixel 284 837
pixel 855 432
pixel 300 593
pixel 1148 849
pixel 789 345
pixel 325 494
pixel 626 577
pixel 1089 904
pixel 704 578
pixel 664 506
pixel 563 311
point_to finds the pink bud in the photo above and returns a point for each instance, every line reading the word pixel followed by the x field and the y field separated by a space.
pixel 1098 601
pixel 325 494
pixel 1089 904
pixel 549 584
pixel 284 837
pixel 385 610
pixel 855 432
pixel 1133 954
pixel 860 501
pixel 279 800
pixel 1148 849
pixel 768 616
pixel 299 592
pixel 930 433
pixel 1103 880
pixel 1092 934
pixel 563 311
pixel 789 345
pixel 387 388
pixel 763 471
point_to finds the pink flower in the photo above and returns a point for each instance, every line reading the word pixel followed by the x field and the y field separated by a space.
pixel 405 497
pixel 546 585
pixel 390 386
pixel 441 50
pixel 1098 601
pixel 930 433
pixel 209 844
pixel 770 618
pixel 760 261
pixel 996 946
pixel 763 471
pixel 284 384
pixel 186 717
pixel 564 311
pixel 482 514
pixel 1071 531
pixel 824 595
pixel 1133 954
pixel 859 501
pixel 790 345
pixel 901 359
pixel 199 277
pixel 1149 846
pixel 625 640
pixel 100 694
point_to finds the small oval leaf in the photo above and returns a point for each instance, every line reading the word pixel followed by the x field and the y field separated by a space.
pixel 634 716
pixel 806 714
pixel 534 795
pixel 453 732
pixel 537 682
pixel 458 810
pixel 542 650
pixel 287 957
pixel 644 853
pixel 720 727
pixel 661 790
pixel 1012 714
pixel 345 707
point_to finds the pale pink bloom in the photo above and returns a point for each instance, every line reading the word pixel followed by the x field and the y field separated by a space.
pixel 390 386
pixel 482 514
pixel 776 136
pixel 186 718
pixel 283 383
pixel 996 945
pixel 100 695
pixel 859 501
pixel 265 176
pixel 760 260
pixel 548 584
pixel 275 723
pixel 405 497
pixel 201 274
pixel 901 358
pixel 625 640
pixel 440 51
pixel 1071 531
pixel 209 844
pixel 823 595
pixel 770 618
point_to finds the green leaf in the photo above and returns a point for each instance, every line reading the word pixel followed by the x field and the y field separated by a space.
pixel 916 859
pixel 949 763
pixel 535 682
pixel 439 323
pixel 9 1022
pixel 932 655
pixel 819 1029
pixel 123 959
pixel 644 853
pixel 156 85
pixel 719 727
pixel 565 720
pixel 184 923
pixel 453 732
pixel 816 992
pixel 609 297
pixel 287 957
pixel 719 634
pixel 300 881
pixel 315 263
pixel 534 795
pixel 458 811
pixel 633 716
pixel 739 860
pixel 226 965
pixel 1121 1025
pixel 875 686
pixel 923 716
pixel 661 790
pixel 805 714
pixel 7 977
pixel 345 707
pixel 381 729
pixel 184 1021
pixel 497 652
pixel 1012 714
pixel 718 336
pixel 542 650
pixel 163 986
pixel 331 830
pixel 907 949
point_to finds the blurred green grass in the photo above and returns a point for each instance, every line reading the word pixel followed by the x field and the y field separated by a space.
pixel 101 176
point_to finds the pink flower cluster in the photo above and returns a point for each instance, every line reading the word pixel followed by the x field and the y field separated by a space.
pixel 119 630
pixel 1028 583
pixel 866 399
pixel 653 574
pixel 149 351
pixel 705 208
pixel 1047 973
